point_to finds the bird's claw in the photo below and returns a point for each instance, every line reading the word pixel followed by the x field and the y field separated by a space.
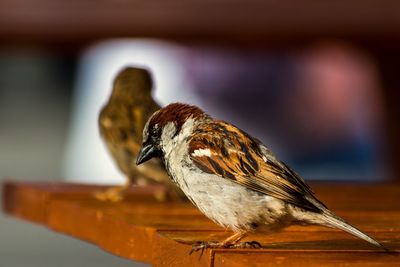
pixel 202 245
pixel 251 244
pixel 111 195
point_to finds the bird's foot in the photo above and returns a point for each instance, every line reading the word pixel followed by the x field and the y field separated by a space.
pixel 114 194
pixel 202 245
pixel 251 244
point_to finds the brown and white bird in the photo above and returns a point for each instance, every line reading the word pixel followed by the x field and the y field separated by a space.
pixel 121 122
pixel 233 178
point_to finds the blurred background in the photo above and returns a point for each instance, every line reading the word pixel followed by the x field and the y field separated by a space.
pixel 317 82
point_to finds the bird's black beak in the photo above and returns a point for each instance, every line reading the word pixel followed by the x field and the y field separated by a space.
pixel 148 151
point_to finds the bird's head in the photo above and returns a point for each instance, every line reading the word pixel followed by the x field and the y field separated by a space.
pixel 165 125
pixel 132 81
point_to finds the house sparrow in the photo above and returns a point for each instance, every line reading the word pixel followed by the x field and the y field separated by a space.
pixel 121 122
pixel 233 178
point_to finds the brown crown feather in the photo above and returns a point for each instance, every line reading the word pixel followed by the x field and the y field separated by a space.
pixel 177 113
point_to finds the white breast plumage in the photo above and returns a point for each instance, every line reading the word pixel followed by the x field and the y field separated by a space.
pixel 219 199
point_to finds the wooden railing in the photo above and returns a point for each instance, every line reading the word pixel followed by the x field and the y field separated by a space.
pixel 161 233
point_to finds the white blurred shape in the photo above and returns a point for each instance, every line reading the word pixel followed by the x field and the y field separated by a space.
pixel 86 159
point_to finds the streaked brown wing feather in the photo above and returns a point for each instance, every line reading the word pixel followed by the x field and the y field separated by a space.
pixel 237 156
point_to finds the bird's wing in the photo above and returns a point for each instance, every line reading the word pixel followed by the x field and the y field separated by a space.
pixel 220 148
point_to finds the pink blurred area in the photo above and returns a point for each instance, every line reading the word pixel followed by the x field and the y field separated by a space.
pixel 340 87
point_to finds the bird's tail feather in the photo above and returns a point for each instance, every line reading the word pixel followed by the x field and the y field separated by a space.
pixel 337 222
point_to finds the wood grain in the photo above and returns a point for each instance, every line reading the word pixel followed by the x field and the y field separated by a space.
pixel 161 234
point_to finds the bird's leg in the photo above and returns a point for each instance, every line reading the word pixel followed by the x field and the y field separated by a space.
pixel 233 242
pixel 230 242
pixel 234 239
pixel 113 194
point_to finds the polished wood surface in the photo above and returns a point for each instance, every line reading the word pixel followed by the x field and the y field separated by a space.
pixel 161 234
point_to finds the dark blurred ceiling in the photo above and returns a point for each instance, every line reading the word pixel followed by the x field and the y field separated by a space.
pixel 80 21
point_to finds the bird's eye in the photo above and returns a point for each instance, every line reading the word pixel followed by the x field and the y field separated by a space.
pixel 155 132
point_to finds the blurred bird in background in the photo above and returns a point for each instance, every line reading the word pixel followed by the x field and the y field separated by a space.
pixel 121 122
